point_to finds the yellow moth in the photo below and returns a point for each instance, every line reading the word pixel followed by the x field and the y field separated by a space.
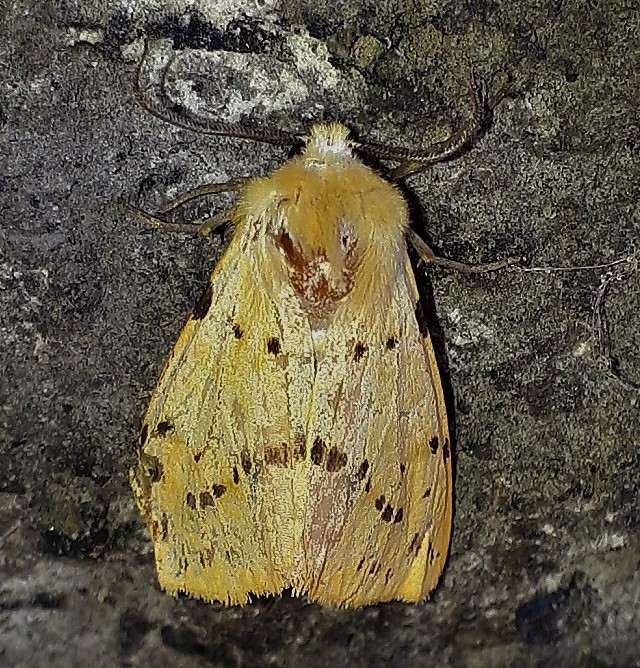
pixel 298 437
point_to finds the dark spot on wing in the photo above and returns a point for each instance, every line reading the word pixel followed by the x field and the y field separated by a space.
pixel 415 543
pixel 245 461
pixel 380 503
pixel 433 444
pixel 427 492
pixel 387 576
pixel 236 475
pixel 277 455
pixel 164 427
pixel 318 451
pixel 392 342
pixel 387 513
pixel 367 487
pixel 403 468
pixel 191 500
pixel 152 466
pixel 398 517
pixel 197 457
pixel 430 553
pixel 361 564
pixel 237 331
pixel 336 459
pixel 218 491
pixel 445 449
pixel 359 351
pixel 206 500
pixel 203 306
pixel 362 471
pixel 273 345
pixel 372 570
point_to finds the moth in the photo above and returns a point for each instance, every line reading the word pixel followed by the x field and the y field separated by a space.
pixel 297 437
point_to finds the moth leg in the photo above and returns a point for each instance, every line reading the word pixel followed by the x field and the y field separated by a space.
pixel 204 226
pixel 428 256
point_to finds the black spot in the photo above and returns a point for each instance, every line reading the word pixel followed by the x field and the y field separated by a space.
pixel 206 500
pixel 387 576
pixel 164 427
pixel 398 517
pixel 392 342
pixel 387 513
pixel 433 444
pixel 427 492
pixel 246 463
pixel 403 468
pixel 203 306
pixel 191 500
pixel 362 471
pixel 152 465
pixel 318 451
pixel 197 457
pixel 237 331
pixel 380 503
pixel 236 475
pixel 359 351
pixel 415 543
pixel 367 487
pixel 144 432
pixel 361 564
pixel 336 460
pixel 445 449
pixel 218 491
pixel 430 553
pixel 372 570
pixel 273 345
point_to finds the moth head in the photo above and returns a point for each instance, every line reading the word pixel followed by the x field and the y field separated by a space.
pixel 327 143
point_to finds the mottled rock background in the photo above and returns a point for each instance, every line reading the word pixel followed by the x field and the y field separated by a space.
pixel 544 560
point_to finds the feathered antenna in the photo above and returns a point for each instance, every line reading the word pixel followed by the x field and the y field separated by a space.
pixel 410 160
pixel 182 119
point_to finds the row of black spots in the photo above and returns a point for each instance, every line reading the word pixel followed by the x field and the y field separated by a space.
pixel 206 499
pixel 386 511
pixel 283 456
pixel 361 348
pixel 433 444
pixel 332 459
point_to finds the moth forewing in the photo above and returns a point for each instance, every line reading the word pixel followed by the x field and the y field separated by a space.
pixel 297 436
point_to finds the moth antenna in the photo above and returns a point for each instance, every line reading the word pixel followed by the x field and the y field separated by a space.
pixel 412 161
pixel 181 118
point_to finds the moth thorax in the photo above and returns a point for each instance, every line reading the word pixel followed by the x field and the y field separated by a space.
pixel 320 277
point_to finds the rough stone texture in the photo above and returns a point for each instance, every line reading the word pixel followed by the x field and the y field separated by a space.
pixel 544 561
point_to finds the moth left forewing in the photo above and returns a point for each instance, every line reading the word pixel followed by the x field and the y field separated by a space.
pixel 380 499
